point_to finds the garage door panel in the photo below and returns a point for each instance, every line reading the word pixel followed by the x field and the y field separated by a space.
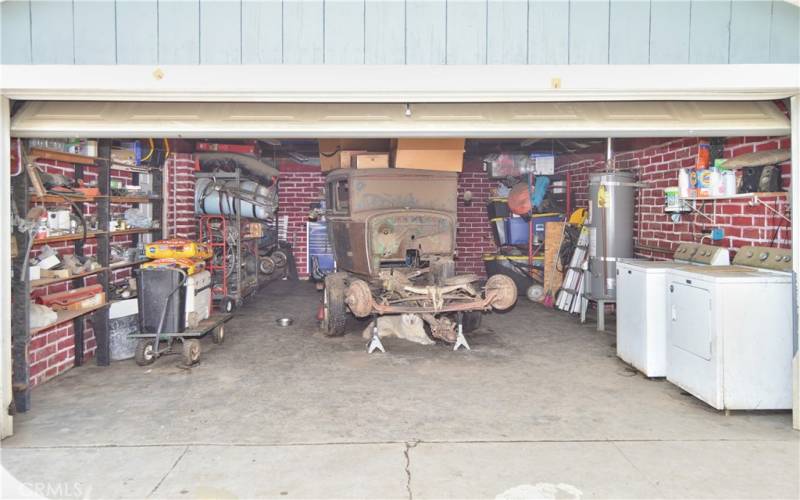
pixel 504 120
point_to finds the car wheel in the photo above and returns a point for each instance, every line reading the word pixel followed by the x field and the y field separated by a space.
pixel 334 310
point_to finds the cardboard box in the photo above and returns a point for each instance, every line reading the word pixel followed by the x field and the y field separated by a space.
pixel 370 160
pixel 337 153
pixel 95 300
pixel 429 154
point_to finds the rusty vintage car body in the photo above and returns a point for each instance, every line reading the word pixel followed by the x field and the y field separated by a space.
pixel 393 233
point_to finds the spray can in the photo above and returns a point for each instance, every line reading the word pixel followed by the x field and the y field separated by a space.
pixel 729 182
pixel 683 183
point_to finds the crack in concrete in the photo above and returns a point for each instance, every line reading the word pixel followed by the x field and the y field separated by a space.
pixel 407 455
pixel 152 492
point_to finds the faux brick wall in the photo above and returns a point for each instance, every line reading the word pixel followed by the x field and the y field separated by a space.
pixel 299 186
pixel 181 220
pixel 473 234
pixel 656 235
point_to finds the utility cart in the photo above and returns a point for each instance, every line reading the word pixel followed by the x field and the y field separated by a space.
pixel 148 348
pixel 174 304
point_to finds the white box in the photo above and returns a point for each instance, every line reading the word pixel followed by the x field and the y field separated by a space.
pixel 198 298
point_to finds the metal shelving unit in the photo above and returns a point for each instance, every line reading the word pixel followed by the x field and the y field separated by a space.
pixel 21 285
pixel 227 265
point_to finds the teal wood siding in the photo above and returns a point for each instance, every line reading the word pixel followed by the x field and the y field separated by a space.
pixel 399 32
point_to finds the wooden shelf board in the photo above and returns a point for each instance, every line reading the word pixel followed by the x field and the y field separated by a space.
pixel 64 316
pixel 134 199
pixel 122 265
pixel 52 281
pixel 737 196
pixel 67 237
pixel 134 231
pixel 49 154
pixel 51 198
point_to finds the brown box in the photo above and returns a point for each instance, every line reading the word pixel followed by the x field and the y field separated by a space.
pixel 337 153
pixel 429 154
pixel 96 300
pixel 370 160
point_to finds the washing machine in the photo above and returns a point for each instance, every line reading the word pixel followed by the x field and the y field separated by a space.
pixel 642 304
pixel 729 341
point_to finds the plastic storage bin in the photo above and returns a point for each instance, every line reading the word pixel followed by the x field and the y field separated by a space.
pixel 517 228
pixel 516 231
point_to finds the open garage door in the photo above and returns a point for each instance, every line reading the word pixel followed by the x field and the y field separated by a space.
pixel 474 120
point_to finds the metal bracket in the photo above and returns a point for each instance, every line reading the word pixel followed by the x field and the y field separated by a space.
pixel 758 201
pixel 460 339
pixel 375 341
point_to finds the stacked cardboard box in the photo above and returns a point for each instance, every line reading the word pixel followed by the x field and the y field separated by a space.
pixel 421 154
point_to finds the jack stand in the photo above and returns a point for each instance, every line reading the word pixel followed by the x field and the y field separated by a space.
pixel 460 339
pixel 375 342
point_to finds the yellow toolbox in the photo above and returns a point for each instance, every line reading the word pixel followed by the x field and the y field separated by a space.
pixel 177 248
pixel 191 266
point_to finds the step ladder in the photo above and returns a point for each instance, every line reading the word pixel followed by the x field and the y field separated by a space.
pixel 571 293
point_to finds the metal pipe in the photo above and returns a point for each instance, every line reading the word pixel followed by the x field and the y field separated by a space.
pixel 610 154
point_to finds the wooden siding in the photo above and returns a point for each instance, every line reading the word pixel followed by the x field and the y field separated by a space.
pixel 399 31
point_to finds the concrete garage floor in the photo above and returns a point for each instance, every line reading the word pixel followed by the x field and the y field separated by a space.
pixel 541 407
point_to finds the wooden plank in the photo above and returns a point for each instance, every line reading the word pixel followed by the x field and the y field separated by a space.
pixel 553 236
pixel 49 154
pixel 426 28
pixel 709 31
pixel 124 264
pixel 15 32
pixel 669 32
pixel 303 27
pixel 466 31
pixel 67 237
pixel 629 36
pixel 548 32
pixel 344 32
pixel 95 32
pixel 51 281
pixel 588 32
pixel 220 32
pixel 137 32
pixel 51 33
pixel 749 33
pixel 784 44
pixel 178 32
pixel 507 32
pixel 134 199
pixel 262 32
pixel 384 32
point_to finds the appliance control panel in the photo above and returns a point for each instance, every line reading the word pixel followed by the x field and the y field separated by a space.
pixel 776 259
pixel 685 251
pixel 696 253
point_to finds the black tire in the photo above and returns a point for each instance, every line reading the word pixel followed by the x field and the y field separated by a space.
pixel 218 334
pixel 334 308
pixel 191 351
pixel 227 305
pixel 145 352
pixel 471 321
